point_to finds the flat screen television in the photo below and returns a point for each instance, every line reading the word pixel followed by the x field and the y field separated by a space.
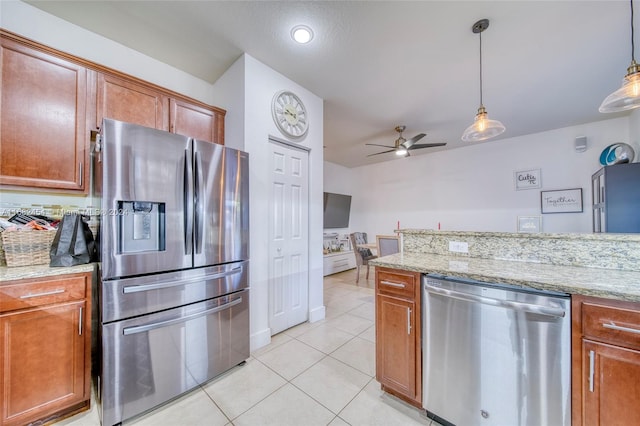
pixel 336 210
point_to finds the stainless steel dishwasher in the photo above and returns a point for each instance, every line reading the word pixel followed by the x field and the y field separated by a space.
pixel 495 354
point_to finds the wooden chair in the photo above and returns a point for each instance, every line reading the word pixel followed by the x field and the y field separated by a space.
pixel 363 254
pixel 387 244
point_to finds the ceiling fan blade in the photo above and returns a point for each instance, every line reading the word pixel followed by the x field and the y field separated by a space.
pixel 409 143
pixel 426 145
pixel 383 152
pixel 384 146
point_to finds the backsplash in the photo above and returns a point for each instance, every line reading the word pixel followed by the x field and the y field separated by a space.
pixel 608 251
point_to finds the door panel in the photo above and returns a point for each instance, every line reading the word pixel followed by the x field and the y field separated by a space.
pixel 146 166
pixel 222 198
pixel 288 238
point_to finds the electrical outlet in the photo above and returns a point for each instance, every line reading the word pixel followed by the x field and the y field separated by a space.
pixel 458 247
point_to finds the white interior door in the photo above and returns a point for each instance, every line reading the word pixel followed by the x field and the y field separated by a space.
pixel 288 237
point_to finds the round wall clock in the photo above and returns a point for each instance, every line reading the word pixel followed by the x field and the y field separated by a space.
pixel 289 114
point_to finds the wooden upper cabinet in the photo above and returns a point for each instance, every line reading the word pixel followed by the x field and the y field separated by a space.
pixel 197 122
pixel 42 119
pixel 125 100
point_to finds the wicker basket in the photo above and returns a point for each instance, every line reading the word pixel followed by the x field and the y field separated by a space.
pixel 25 248
pixel 3 261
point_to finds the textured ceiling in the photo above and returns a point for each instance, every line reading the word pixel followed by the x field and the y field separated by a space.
pixel 546 64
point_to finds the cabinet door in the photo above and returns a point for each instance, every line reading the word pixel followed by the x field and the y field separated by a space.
pixel 42 119
pixel 611 395
pixel 128 101
pixel 196 122
pixel 396 344
pixel 43 361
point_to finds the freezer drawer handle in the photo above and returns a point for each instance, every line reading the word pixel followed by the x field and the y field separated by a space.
pixel 613 326
pixel 46 293
pixel 525 307
pixel 148 287
pixel 148 327
pixel 392 284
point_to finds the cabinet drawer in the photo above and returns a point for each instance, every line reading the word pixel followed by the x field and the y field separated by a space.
pixel 617 325
pixel 396 283
pixel 29 293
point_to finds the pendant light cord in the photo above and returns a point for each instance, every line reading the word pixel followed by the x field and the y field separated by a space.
pixel 480 34
pixel 632 43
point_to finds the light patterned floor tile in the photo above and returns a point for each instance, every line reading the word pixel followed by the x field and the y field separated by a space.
pixel 369 334
pixel 338 422
pixel 358 353
pixel 291 358
pixel 325 338
pixel 194 408
pixel 243 387
pixel 331 383
pixel 276 341
pixel 352 324
pixel 373 407
pixel 288 406
pixel 302 328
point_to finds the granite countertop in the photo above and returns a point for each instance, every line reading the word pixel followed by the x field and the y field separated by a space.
pixel 608 283
pixel 40 271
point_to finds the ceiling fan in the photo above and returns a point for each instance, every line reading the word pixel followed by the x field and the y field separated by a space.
pixel 403 146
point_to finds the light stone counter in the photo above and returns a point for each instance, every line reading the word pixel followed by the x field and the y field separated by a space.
pixel 40 271
pixel 602 265
pixel 609 283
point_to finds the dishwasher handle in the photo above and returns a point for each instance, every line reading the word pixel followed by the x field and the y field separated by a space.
pixel 508 304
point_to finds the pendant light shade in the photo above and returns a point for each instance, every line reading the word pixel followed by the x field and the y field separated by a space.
pixel 482 128
pixel 628 96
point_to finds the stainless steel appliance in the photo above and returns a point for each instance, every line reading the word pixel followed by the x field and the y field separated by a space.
pixel 495 354
pixel 174 245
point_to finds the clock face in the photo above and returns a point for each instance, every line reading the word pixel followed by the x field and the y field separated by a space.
pixel 289 114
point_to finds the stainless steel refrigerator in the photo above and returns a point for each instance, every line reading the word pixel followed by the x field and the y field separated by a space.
pixel 173 298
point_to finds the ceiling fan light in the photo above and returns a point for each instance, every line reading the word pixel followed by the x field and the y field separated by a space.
pixel 626 97
pixel 482 128
pixel 402 152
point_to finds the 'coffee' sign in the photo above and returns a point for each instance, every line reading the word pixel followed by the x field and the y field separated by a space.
pixel 527 179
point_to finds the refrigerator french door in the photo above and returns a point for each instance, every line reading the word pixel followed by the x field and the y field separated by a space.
pixel 174 244
pixel 169 202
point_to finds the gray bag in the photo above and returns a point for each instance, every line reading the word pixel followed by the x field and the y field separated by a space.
pixel 74 243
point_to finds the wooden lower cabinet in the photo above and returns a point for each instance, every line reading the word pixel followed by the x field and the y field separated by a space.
pixel 606 362
pixel 398 334
pixel 45 342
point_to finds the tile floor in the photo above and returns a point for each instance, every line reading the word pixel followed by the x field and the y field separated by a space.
pixel 318 373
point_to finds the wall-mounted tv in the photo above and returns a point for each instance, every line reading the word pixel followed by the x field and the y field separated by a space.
pixel 336 210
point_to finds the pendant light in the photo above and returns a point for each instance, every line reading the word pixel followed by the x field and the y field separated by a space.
pixel 628 96
pixel 482 128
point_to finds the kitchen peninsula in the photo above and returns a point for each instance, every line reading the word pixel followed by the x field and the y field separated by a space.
pixel 601 273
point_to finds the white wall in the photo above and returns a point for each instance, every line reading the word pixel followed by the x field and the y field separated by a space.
pixel 260 84
pixel 472 188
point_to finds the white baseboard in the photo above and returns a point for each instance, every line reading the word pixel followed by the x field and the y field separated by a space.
pixel 317 314
pixel 260 339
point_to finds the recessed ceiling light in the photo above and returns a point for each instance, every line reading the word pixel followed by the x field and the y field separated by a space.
pixel 302 34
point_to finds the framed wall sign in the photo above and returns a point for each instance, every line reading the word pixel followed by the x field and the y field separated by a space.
pixel 527 179
pixel 529 223
pixel 561 201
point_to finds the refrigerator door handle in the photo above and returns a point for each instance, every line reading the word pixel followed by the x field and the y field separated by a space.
pixel 166 284
pixel 199 201
pixel 188 203
pixel 508 304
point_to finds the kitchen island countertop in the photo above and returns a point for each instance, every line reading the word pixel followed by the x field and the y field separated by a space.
pixel 599 282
